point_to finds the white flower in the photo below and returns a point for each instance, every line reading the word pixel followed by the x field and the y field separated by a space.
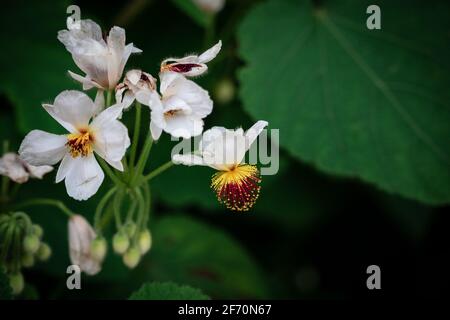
pixel 191 66
pixel 18 170
pixel 211 6
pixel 105 135
pixel 136 84
pixel 103 60
pixel 81 235
pixel 181 108
pixel 236 184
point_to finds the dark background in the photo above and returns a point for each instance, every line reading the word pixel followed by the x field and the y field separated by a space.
pixel 311 235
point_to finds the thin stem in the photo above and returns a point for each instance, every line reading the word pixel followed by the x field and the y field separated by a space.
pixel 117 206
pixel 100 207
pixel 148 203
pixel 142 160
pixel 157 171
pixel 108 98
pixel 141 211
pixel 137 126
pixel 46 202
pixel 109 172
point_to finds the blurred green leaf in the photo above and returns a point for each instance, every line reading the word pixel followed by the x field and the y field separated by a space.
pixel 5 289
pixel 167 291
pixel 353 101
pixel 201 255
pixel 38 71
pixel 200 17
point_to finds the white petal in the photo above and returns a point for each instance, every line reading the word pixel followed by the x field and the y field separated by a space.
pixel 211 135
pixel 116 44
pixel 87 82
pixel 226 150
pixel 84 178
pixel 64 167
pixel 95 66
pixel 72 109
pixel 183 126
pixel 12 167
pixel 188 159
pixel 167 79
pixel 252 134
pixel 42 148
pixel 211 53
pixel 155 130
pixel 106 116
pixel 99 101
pixel 111 141
pixel 38 172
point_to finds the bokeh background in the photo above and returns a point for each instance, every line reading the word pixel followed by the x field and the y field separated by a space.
pixel 364 146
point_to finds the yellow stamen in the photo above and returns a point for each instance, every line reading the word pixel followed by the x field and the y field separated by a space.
pixel 237 188
pixel 80 144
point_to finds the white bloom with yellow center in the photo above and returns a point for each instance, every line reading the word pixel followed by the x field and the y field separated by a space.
pixel 193 65
pixel 81 235
pixel 103 60
pixel 18 170
pixel 236 184
pixel 102 134
pixel 180 109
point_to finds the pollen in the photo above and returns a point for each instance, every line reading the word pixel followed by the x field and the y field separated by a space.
pixel 238 189
pixel 80 144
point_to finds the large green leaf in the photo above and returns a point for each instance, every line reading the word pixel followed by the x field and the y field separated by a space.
pixel 363 103
pixel 198 254
pixel 167 291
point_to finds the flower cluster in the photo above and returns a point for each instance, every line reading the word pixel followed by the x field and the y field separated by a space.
pixel 97 142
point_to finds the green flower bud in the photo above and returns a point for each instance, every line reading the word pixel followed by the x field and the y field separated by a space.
pixel 31 243
pixel 38 231
pixel 121 242
pixel 98 248
pixel 27 260
pixel 44 252
pixel 130 229
pixel 16 282
pixel 225 91
pixel 145 241
pixel 132 257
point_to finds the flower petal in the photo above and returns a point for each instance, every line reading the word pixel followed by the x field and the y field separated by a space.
pixel 42 148
pixel 111 141
pixel 252 134
pixel 84 178
pixel 211 53
pixel 64 167
pixel 188 159
pixel 72 109
pixel 183 126
pixel 87 82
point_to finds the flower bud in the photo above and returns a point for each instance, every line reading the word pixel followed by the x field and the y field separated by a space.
pixel 31 243
pixel 27 260
pixel 132 257
pixel 99 248
pixel 224 91
pixel 121 242
pixel 130 229
pixel 16 282
pixel 38 231
pixel 44 252
pixel 145 241
pixel 81 235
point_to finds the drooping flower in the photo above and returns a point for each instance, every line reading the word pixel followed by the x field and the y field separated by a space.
pixel 20 171
pixel 180 109
pixel 102 134
pixel 210 6
pixel 81 236
pixel 138 85
pixel 236 183
pixel 193 65
pixel 103 60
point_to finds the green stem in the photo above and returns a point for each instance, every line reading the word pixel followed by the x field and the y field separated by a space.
pixel 137 126
pixel 141 211
pixel 142 160
pixel 117 208
pixel 46 202
pixel 108 98
pixel 100 207
pixel 157 171
pixel 148 203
